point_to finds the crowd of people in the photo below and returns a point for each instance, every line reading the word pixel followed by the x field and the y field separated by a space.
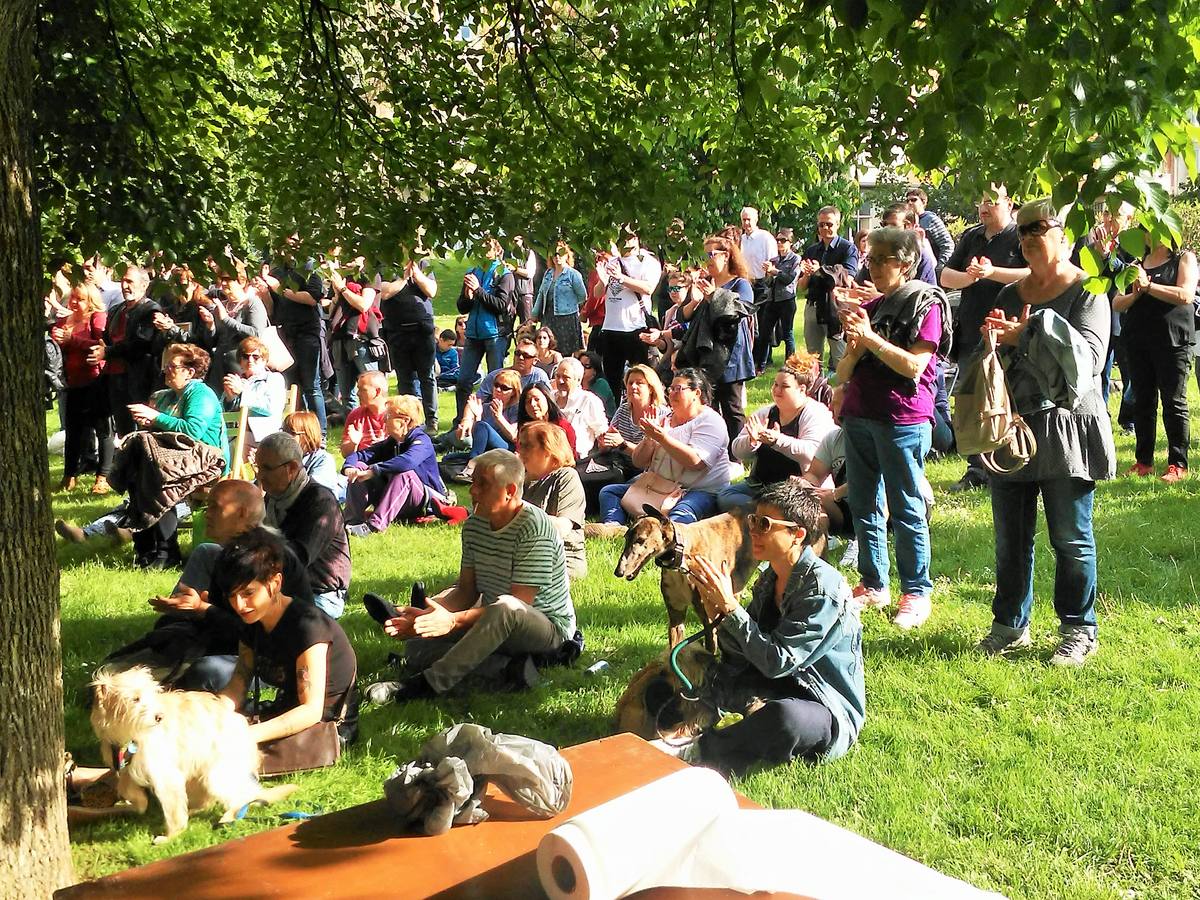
pixel 624 394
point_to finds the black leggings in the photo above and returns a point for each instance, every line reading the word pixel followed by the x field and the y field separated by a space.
pixel 87 413
pixel 618 348
pixel 1160 372
pixel 160 541
pixel 782 730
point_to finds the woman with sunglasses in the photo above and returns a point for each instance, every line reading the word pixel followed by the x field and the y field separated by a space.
pixel 689 449
pixel 558 301
pixel 1053 338
pixel 1158 331
pixel 257 388
pixel 494 424
pixel 796 649
pixel 893 333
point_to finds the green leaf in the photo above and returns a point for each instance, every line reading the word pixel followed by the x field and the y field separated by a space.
pixel 1090 260
pixel 1133 242
pixel 1096 285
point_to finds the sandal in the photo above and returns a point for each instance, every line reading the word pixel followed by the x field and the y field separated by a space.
pixel 101 486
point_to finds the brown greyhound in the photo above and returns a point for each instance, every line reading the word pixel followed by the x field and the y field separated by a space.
pixel 723 539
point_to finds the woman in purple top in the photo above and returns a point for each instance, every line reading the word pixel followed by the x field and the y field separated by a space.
pixel 892 337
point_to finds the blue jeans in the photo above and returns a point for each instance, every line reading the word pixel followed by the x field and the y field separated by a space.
pixel 485 436
pixel 882 458
pixel 332 603
pixel 943 430
pixel 692 507
pixel 351 359
pixel 743 495
pixel 476 350
pixel 306 372
pixel 1068 503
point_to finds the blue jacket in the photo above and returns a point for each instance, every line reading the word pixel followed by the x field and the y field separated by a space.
pixel 567 290
pixel 741 360
pixel 817 643
pixel 488 309
pixel 389 457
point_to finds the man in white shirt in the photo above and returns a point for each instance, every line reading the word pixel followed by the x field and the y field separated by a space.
pixel 583 409
pixel 757 244
pixel 631 280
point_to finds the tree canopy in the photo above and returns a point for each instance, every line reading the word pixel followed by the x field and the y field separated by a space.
pixel 183 124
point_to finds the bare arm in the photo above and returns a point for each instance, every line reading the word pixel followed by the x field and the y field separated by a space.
pixel 242 674
pixel 1184 289
pixel 955 280
pixel 311 667
pixel 909 363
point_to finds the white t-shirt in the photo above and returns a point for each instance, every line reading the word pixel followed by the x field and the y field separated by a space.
pixel 585 412
pixel 757 247
pixel 707 435
pixel 625 310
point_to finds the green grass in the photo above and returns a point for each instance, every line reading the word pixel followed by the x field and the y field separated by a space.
pixel 1017 777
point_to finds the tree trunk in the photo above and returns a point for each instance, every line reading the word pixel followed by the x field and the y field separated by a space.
pixel 35 856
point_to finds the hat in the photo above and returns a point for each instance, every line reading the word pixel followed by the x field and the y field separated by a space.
pixel 783 234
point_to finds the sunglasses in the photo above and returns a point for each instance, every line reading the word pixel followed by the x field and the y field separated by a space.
pixel 765 524
pixel 523 355
pixel 250 356
pixel 712 253
pixel 878 260
pixel 1039 228
pixel 825 225
pixel 502 387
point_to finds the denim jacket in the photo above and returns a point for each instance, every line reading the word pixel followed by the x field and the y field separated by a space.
pixel 568 292
pixel 817 643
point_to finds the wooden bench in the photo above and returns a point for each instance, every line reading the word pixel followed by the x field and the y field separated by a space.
pixel 359 852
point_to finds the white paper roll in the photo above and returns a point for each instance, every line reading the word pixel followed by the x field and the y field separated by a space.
pixel 633 842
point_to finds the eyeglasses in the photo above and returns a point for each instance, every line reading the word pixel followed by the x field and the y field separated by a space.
pixel 522 355
pixel 675 288
pixel 879 260
pixel 825 225
pixel 263 467
pixel 1037 229
pixel 712 253
pixel 173 367
pixel 680 388
pixel 765 524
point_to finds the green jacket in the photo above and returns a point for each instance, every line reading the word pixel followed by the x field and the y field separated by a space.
pixel 196 411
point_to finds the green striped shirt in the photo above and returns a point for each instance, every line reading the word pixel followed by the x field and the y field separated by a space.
pixel 527 551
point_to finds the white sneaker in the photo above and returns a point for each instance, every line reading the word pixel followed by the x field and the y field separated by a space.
pixel 912 611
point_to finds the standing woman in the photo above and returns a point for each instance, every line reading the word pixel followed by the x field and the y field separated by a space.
pixel 86 399
pixel 558 301
pixel 1053 337
pixel 729 327
pixel 1158 332
pixel 236 314
pixel 889 369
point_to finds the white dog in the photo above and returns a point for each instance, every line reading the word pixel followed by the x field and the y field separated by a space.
pixel 191 749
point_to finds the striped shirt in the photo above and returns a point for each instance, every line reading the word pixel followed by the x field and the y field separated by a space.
pixel 630 430
pixel 528 551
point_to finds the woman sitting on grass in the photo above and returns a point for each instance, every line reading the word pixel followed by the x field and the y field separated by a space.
pixel 594 381
pixel 552 484
pixel 317 461
pixel 397 479
pixel 493 425
pixel 798 646
pixel 537 405
pixel 548 356
pixel 288 643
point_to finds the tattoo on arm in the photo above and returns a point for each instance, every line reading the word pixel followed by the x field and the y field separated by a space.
pixel 303 684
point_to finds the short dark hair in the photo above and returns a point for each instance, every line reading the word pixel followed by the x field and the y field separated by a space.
pixel 798 501
pixel 256 555
pixel 697 380
pixel 448 335
pixel 917 192
pixel 905 210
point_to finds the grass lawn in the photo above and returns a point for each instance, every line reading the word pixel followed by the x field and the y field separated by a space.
pixel 1017 777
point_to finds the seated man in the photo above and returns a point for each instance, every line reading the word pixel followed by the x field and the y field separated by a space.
pixel 366 424
pixel 309 517
pixel 792 660
pixel 583 409
pixel 511 597
pixel 202 593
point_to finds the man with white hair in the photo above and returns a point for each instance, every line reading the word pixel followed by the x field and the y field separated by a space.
pixel 583 409
pixel 757 244
pixel 131 349
pixel 512 596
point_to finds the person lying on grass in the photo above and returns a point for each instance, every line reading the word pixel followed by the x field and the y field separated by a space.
pixel 512 596
pixel 792 660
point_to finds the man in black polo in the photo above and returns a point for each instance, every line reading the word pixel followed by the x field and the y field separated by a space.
pixel 986 258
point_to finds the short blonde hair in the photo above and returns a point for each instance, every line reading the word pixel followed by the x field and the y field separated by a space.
pixel 509 378
pixel 91 294
pixel 648 375
pixel 406 405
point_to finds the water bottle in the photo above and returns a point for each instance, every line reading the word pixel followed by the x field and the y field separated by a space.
pixel 597 668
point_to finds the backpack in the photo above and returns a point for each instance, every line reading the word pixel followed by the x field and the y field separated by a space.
pixel 984 420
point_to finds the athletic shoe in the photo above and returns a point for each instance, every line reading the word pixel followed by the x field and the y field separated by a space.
pixel 70 531
pixel 1140 470
pixel 850 555
pixel 1175 473
pixel 912 611
pixel 1002 639
pixel 875 598
pixel 384 692
pixel 358 529
pixel 1076 646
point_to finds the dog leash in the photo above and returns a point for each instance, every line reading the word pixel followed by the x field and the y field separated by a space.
pixel 689 691
pixel 293 815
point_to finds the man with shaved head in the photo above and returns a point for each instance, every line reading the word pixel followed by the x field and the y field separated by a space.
pixel 202 596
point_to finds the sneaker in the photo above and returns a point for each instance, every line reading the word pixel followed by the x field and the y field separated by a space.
pixel 685 751
pixel 850 555
pixel 1076 646
pixel 1140 470
pixel 384 692
pixel 912 611
pixel 1001 639
pixel 69 531
pixel 359 529
pixel 875 598
pixel 1175 473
